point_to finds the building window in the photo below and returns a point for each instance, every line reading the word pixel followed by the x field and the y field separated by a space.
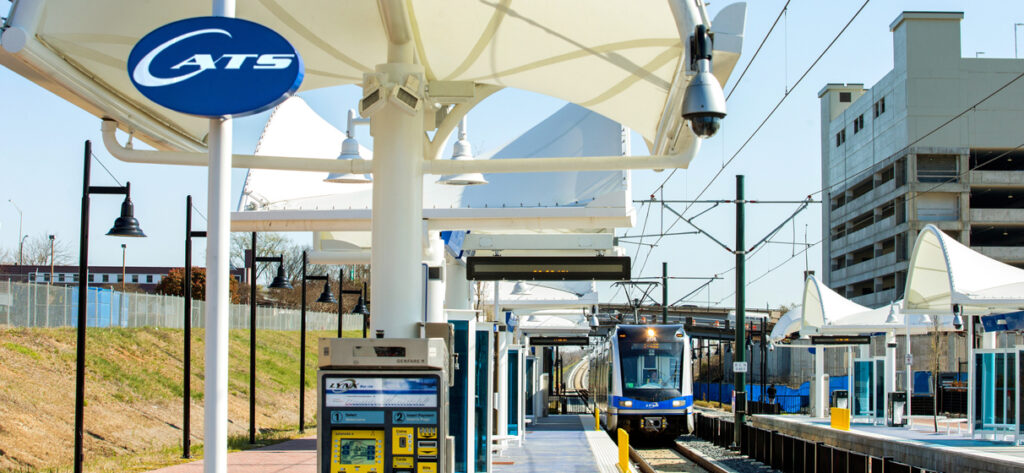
pixel 149 278
pixel 74 278
pixel 92 278
pixel 880 106
pixel 46 276
pixel 60 277
pixel 840 138
pixel 135 278
pixel 106 278
pixel 844 97
pixel 858 124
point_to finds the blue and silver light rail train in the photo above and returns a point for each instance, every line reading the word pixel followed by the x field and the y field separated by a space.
pixel 641 380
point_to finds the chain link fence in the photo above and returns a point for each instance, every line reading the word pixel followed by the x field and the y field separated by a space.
pixel 42 305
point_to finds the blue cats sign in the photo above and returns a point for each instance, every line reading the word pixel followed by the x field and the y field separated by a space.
pixel 215 67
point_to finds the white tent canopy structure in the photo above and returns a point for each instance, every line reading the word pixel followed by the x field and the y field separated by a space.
pixel 822 306
pixel 790 322
pixel 626 63
pixel 541 295
pixel 942 272
pixel 583 201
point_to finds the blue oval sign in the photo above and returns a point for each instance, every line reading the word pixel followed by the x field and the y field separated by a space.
pixel 215 66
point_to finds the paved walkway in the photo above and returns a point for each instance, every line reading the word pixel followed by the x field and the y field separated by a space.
pixel 293 456
pixel 559 443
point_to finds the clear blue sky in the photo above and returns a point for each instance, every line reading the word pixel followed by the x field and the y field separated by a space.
pixel 42 136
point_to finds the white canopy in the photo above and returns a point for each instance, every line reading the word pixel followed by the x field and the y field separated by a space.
pixel 541 295
pixel 822 306
pixel 790 322
pixel 943 272
pixel 625 61
pixel 552 323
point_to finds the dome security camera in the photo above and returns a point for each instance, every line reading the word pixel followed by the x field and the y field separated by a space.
pixel 704 101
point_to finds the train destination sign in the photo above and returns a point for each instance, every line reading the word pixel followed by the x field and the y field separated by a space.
pixel 215 67
pixel 548 268
pixel 840 340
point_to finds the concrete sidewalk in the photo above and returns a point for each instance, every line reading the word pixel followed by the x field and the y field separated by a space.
pixel 293 456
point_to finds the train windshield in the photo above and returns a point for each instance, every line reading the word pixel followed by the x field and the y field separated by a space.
pixel 650 365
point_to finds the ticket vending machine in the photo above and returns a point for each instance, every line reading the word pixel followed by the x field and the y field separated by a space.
pixel 382 406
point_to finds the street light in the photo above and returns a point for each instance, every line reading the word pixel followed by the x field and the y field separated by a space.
pixel 51 259
pixel 341 302
pixel 186 412
pixel 279 282
pixel 325 297
pixel 361 309
pixel 21 238
pixel 126 226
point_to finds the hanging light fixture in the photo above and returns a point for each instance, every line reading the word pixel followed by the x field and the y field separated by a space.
pixel 127 225
pixel 926 319
pixel 280 281
pixel 360 307
pixel 462 152
pixel 350 150
pixel 326 296
pixel 520 289
pixel 891 318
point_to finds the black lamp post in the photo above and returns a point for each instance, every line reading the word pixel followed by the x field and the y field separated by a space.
pixel 360 307
pixel 279 282
pixel 326 297
pixel 125 226
pixel 186 421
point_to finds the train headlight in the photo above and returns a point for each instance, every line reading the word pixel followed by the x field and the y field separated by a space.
pixel 677 403
pixel 626 403
pixel 650 332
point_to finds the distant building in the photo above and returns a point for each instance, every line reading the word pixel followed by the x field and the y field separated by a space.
pixel 889 174
pixel 146 277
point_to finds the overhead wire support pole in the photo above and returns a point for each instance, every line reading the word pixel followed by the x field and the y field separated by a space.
pixel 740 379
pixel 186 413
pixel 664 292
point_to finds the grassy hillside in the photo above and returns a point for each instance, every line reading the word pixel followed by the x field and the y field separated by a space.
pixel 133 405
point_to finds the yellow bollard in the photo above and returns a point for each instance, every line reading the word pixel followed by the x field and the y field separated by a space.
pixel 597 418
pixel 623 451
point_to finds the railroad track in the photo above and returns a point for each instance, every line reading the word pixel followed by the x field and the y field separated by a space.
pixel 675 458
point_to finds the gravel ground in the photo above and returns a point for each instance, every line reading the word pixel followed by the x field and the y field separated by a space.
pixel 725 456
pixel 667 460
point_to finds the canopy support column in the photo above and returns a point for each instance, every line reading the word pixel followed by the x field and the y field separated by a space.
pixel 820 389
pixel 397 211
pixel 890 369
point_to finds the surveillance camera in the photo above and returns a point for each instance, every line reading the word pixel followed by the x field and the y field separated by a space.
pixel 704 101
pixel 771 347
pixel 958 320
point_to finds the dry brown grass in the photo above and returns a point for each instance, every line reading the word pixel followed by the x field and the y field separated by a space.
pixel 133 407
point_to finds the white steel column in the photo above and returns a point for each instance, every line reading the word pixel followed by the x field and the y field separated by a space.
pixel 820 389
pixel 218 211
pixel 969 321
pixel 436 287
pixel 890 370
pixel 457 293
pixel 503 341
pixel 397 213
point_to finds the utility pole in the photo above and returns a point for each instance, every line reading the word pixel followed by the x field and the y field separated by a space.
pixel 21 237
pixel 51 261
pixel 740 379
pixel 124 259
pixel 664 292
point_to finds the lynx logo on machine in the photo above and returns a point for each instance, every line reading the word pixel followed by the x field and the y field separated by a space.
pixel 215 66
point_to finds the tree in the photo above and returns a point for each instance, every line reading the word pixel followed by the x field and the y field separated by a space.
pixel 37 251
pixel 173 284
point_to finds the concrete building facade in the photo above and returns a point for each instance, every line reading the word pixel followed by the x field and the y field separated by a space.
pixel 913 150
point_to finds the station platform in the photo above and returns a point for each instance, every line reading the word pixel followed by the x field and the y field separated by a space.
pixel 562 443
pixel 921 447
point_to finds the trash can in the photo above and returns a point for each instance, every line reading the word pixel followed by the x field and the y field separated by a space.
pixel 840 399
pixel 897 402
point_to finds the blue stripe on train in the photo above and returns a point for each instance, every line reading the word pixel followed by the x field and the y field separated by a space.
pixel 644 405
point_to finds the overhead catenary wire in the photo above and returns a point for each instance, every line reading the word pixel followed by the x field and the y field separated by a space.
pixel 760 126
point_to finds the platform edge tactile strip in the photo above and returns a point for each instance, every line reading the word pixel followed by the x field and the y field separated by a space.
pixel 605 451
